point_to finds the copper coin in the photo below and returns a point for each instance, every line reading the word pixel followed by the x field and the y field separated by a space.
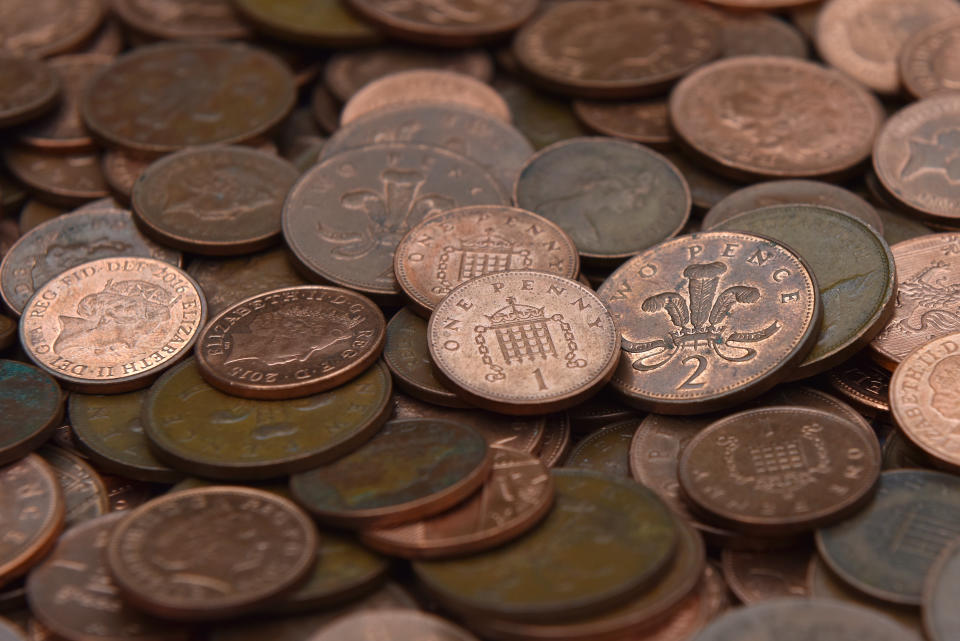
pixel 148 557
pixel 928 60
pixel 8 332
pixel 181 19
pixel 406 353
pixel 916 158
pixel 615 198
pixel 761 5
pixel 35 213
pixel 324 23
pixel 113 324
pixel 707 189
pixel 121 168
pixel 606 451
pixel 693 344
pixel 616 48
pixel 347 72
pixel 32 506
pixel 863 383
pixel 53 26
pixel 516 496
pixel 61 179
pixel 164 97
pixel 864 38
pixel 392 625
pixel 84 494
pixel 645 121
pixel 555 446
pixel 108 40
pixel 125 494
pixel 928 297
pixel 68 241
pixel 939 611
pixel 449 249
pixel 214 200
pixel 29 88
pixel 760 34
pixel 791 192
pixel 774 117
pixel 343 219
pixel 900 453
pixel 31 406
pixel 325 109
pixel 762 576
pixel 411 469
pixel 543 118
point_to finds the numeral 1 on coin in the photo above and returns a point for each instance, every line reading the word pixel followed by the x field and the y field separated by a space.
pixel 539 376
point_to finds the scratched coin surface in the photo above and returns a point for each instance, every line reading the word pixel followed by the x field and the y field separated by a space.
pixel 774 117
pixel 643 121
pixel 84 494
pixel 888 548
pixel 616 48
pixel 854 268
pixel 709 320
pixel 47 28
pixel 863 383
pixel 167 96
pixel 113 324
pixel 199 429
pixel 181 19
pixel 392 625
pixel 551 572
pixel 762 576
pixel 227 281
pixel 217 200
pixel 31 405
pixel 928 60
pixel 176 556
pixel 411 469
pixel 606 451
pixel 325 23
pixel 32 506
pixel 523 342
pixel 406 353
pixel 68 179
pixel 29 88
pixel 940 617
pixel 615 198
pixel 343 219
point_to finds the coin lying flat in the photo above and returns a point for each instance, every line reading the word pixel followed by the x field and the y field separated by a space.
pixel 762 576
pixel 325 23
pixel 84 494
pixel 928 59
pixel 226 282
pixel 643 121
pixel 940 618
pixel 606 451
pixel 543 118
pixel 29 487
pixel 392 625
pixel 29 88
pixel 760 34
pixel 31 405
pixel 68 180
pixel 182 19
pixel 54 27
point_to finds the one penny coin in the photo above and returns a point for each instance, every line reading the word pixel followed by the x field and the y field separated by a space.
pixel 324 23
pixel 84 494
pixel 743 117
pixel 410 470
pixel 863 383
pixel 226 282
pixel 67 180
pixel 31 504
pixel 56 26
pixel 214 200
pixel 615 198
pixel 643 121
pixel 181 19
pixel 940 619
pixel 29 88
pixel 392 625
pixel 762 576
pixel 928 60
pixel 606 451
pixel 164 97
pixel 709 320
pixel 31 405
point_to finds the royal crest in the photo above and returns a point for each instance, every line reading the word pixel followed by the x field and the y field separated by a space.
pixel 475 257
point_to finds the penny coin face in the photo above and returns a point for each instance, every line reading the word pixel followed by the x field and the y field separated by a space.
pixel 32 408
pixel 581 184
pixel 164 97
pixel 182 19
pixel 616 48
pixel 203 532
pixel 373 485
pixel 854 268
pixel 226 437
pixel 915 157
pixel 888 548
pixel 762 576
pixel 863 383
pixel 710 319
pixel 543 118
pixel 29 88
pixel 928 60
pixel 214 200
pixel 226 282
pixel 406 353
pixel 865 38
pixel 32 503
pixel 939 611
pixel 54 26
pixel 596 522
pixel 392 625
pixel 84 494
pixel 741 116
pixel 325 23
pixel 760 34
pixel 523 342
pixel 68 180
pixel 643 121
pixel 606 451
pixel 449 249
pixel 344 218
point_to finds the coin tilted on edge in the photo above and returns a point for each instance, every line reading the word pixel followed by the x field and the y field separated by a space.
pixel 31 405
pixel 928 59
pixel 761 576
pixel 524 342
pixel 29 88
pixel 33 507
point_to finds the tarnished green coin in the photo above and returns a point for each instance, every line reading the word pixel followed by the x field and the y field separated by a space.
pixel 898 227
pixel 541 117
pixel 941 618
pixel 199 429
pixel 109 431
pixel 603 543
pixel 853 266
pixel 324 23
pixel 606 451
pixel 888 548
pixel 84 494
pixel 31 408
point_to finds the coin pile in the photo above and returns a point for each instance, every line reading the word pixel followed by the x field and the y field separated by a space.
pixel 606 320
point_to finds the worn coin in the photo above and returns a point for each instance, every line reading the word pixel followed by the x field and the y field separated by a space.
pixel 181 19
pixel 31 405
pixel 615 198
pixel 643 121
pixel 68 179
pixel 47 28
pixel 928 60
pixel 557 439
pixel 863 383
pixel 29 88
pixel 392 625
pixel 324 23
pixel 616 48
pixel 201 430
pixel 411 469
pixel 691 346
pixel 542 117
pixel 940 617
pixel 762 576
pixel 775 117
pixel 606 451
pixel 226 282
pixel 760 34
pixel 84 494
pixel 854 268
pixel 32 506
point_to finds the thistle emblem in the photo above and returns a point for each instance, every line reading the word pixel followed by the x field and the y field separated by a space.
pixel 699 321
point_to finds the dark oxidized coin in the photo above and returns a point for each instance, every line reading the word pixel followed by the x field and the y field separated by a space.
pixel 940 618
pixel 645 121
pixel 325 23
pixel 181 19
pixel 606 451
pixel 557 438
pixel 601 410
pixel 31 503
pixel 8 331
pixel 31 405
pixel 706 188
pixel 762 576
pixel 863 383
pixel 61 179
pixel 29 88
pixel 760 34
pixel 928 60
pixel 39 30
pixel 84 494
pixel 543 118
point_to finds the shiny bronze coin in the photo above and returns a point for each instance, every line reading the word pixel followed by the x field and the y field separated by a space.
pixel 497 339
pixel 916 159
pixel 928 60
pixel 606 451
pixel 928 297
pixel 121 168
pixel 37 30
pixel 742 116
pixel 29 88
pixel 449 249
pixel 760 34
pixel 215 200
pixel 762 576
pixel 109 431
pixel 165 97
pixel 550 573
pixel 148 557
pixel 32 506
pixel 291 343
pixel 60 179
pixel 645 121
pixel 864 38
pixel 410 470
pixel 888 548
pixel 616 48
pixel 392 625
pixel 8 332
pixel 68 241
pixel 324 23
pixel 706 188
pixel 854 268
pixel 691 346
pixel 31 406
pixel 516 496
pixel 863 383
pixel 114 324
pixel 615 198
pixel 557 439
pixel 543 118
pixel 343 219
pixel 181 19
pixel 84 494
pixel 940 618
pixel 406 353
pixel 35 213
pixel 226 437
